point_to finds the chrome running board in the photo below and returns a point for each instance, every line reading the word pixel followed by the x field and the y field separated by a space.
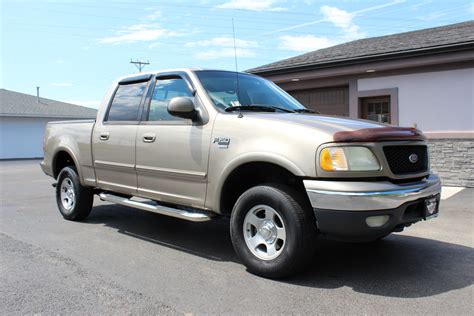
pixel 194 216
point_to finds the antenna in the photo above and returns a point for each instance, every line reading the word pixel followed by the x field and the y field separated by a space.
pixel 236 65
pixel 139 64
pixel 235 47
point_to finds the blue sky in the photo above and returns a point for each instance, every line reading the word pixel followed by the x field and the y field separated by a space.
pixel 73 50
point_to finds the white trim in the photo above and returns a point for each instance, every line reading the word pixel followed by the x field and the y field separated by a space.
pixel 447 192
pixel 450 135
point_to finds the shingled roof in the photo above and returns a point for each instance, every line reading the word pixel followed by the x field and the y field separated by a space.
pixel 427 41
pixel 24 105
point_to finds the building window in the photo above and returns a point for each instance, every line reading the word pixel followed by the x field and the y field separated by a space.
pixel 376 109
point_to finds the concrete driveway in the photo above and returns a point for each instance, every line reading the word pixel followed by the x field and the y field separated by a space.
pixel 122 261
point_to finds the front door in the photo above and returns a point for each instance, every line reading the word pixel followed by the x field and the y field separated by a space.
pixel 172 153
pixel 113 140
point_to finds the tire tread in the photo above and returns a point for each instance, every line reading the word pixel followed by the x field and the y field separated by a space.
pixel 304 223
pixel 84 196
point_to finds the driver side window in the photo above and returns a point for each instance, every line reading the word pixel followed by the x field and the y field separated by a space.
pixel 165 90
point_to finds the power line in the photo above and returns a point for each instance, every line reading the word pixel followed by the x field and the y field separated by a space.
pixel 139 64
pixel 258 28
pixel 121 5
pixel 252 30
pixel 380 17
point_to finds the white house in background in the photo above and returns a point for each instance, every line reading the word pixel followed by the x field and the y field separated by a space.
pixel 23 118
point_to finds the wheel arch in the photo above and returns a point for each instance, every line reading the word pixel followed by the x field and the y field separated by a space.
pixel 65 157
pixel 246 173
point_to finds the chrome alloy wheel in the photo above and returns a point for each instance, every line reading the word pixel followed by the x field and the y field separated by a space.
pixel 264 232
pixel 68 196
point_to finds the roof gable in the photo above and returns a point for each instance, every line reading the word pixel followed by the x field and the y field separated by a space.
pixel 24 105
pixel 402 43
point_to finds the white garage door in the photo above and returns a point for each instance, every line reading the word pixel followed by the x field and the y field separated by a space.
pixel 21 137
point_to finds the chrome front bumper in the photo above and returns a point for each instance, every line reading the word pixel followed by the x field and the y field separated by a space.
pixel 368 196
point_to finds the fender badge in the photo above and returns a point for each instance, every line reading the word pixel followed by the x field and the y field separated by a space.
pixel 222 142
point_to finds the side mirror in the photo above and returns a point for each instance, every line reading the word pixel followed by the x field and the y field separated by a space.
pixel 182 107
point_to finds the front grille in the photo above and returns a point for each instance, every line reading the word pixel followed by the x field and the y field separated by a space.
pixel 398 158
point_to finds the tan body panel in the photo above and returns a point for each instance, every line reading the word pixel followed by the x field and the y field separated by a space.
pixel 287 140
pixel 114 158
pixel 185 164
pixel 173 168
pixel 73 137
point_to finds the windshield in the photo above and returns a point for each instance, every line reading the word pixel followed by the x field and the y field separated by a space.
pixel 226 91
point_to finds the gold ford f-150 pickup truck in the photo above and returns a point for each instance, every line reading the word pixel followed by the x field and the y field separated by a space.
pixel 198 144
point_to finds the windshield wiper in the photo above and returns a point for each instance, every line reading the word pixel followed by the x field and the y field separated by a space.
pixel 250 108
pixel 283 109
pixel 257 108
pixel 305 111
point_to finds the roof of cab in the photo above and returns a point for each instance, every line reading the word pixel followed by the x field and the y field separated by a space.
pixel 156 72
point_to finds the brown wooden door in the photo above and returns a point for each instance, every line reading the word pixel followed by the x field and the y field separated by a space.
pixel 332 100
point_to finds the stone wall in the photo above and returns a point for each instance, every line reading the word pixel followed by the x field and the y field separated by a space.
pixel 453 161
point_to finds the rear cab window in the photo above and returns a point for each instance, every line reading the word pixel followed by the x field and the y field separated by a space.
pixel 125 106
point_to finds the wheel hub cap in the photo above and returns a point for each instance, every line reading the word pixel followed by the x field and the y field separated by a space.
pixel 264 232
pixel 268 231
pixel 68 197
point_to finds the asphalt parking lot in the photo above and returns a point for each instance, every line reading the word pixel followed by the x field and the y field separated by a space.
pixel 122 261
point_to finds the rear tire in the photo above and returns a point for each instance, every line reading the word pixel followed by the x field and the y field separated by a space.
pixel 74 200
pixel 273 231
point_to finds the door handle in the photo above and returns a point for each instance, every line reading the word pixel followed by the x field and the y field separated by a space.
pixel 149 138
pixel 104 136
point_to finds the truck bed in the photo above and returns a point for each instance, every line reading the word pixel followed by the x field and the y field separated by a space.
pixel 74 138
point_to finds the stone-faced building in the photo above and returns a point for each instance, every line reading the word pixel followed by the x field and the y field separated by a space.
pixel 422 79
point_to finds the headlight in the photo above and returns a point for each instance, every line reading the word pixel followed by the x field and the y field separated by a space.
pixel 350 158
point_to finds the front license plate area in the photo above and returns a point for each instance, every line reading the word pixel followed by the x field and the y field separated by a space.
pixel 431 207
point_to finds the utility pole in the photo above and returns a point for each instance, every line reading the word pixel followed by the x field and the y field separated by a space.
pixel 139 64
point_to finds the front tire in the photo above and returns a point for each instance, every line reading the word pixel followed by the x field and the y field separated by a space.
pixel 74 200
pixel 273 231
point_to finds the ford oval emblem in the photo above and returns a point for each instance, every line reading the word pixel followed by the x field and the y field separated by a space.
pixel 413 158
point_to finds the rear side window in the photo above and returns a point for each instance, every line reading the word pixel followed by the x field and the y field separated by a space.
pixel 126 103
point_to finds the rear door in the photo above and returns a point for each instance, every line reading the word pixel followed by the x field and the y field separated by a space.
pixel 172 152
pixel 113 140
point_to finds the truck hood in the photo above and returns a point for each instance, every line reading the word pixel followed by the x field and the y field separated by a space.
pixel 322 123
pixel 341 129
